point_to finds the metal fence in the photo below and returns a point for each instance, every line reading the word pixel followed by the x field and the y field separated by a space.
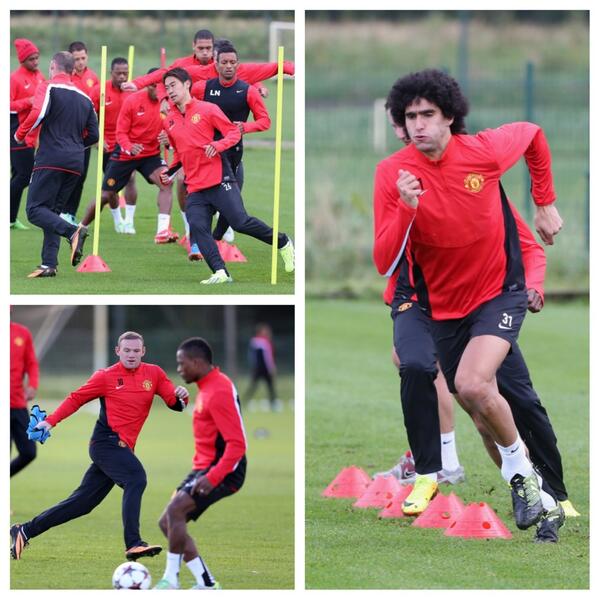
pixel 343 149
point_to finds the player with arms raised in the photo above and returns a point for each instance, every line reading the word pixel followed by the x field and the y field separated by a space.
pixel 126 390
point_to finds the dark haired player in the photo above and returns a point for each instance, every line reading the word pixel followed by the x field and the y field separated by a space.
pixel 68 125
pixel 23 85
pixel 464 252
pixel 211 185
pixel 126 390
pixel 84 79
pixel 138 149
pixel 219 464
pixel 114 97
pixel 236 99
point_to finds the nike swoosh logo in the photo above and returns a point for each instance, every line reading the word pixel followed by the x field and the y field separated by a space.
pixel 503 327
pixel 26 85
pixel 140 114
pixel 119 387
pixel 108 103
pixel 238 91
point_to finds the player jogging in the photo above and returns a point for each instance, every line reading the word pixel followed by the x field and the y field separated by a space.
pixel 211 185
pixel 126 390
pixel 219 464
pixel 464 252
pixel 138 125
pixel 236 99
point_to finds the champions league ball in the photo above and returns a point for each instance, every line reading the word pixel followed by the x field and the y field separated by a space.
pixel 131 576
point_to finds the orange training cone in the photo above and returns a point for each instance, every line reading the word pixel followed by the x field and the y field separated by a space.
pixel 350 482
pixel 93 264
pixel 379 493
pixel 441 512
pixel 393 509
pixel 478 520
pixel 230 252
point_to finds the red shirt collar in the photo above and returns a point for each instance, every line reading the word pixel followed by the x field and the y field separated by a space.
pixel 209 376
pixel 448 151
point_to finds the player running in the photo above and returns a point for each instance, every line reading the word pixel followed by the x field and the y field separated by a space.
pixel 125 390
pixel 113 101
pixel 218 467
pixel 236 99
pixel 466 275
pixel 211 185
pixel 138 149
pixel 23 85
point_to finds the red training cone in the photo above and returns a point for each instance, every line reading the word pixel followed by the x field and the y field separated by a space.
pixel 230 252
pixel 350 482
pixel 379 493
pixel 478 520
pixel 93 264
pixel 393 509
pixel 441 512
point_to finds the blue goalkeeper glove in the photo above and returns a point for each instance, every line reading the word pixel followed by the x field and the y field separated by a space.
pixel 38 429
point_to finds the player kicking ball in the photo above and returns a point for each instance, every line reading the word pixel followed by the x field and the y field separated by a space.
pixel 191 125
pixel 126 390
pixel 219 465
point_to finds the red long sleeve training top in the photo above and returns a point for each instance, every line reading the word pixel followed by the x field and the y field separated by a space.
pixel 125 399
pixel 23 84
pixel 189 132
pixel 457 232
pixel 113 101
pixel 139 122
pixel 534 261
pixel 22 362
pixel 85 81
pixel 249 72
pixel 219 436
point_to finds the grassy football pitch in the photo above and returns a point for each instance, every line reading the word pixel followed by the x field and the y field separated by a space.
pixel 247 539
pixel 139 266
pixel 353 417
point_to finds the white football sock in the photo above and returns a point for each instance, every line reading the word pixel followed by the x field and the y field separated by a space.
pixel 450 460
pixel 116 214
pixel 198 568
pixel 186 224
pixel 548 501
pixel 130 212
pixel 514 460
pixel 172 568
pixel 163 222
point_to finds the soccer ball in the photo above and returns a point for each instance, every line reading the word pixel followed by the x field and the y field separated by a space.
pixel 131 576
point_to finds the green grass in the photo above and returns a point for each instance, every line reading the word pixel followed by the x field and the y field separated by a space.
pixel 353 416
pixel 247 539
pixel 138 266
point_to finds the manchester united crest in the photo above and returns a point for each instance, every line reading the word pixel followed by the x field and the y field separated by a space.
pixel 474 182
pixel 147 385
pixel 110 182
pixel 122 444
pixel 195 118
pixel 19 341
pixel 404 306
pixel 90 82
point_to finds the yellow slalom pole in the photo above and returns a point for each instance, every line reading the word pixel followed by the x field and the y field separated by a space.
pixel 277 184
pixel 99 174
pixel 130 58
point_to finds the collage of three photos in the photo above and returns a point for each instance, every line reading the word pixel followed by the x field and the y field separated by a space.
pixel 180 316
